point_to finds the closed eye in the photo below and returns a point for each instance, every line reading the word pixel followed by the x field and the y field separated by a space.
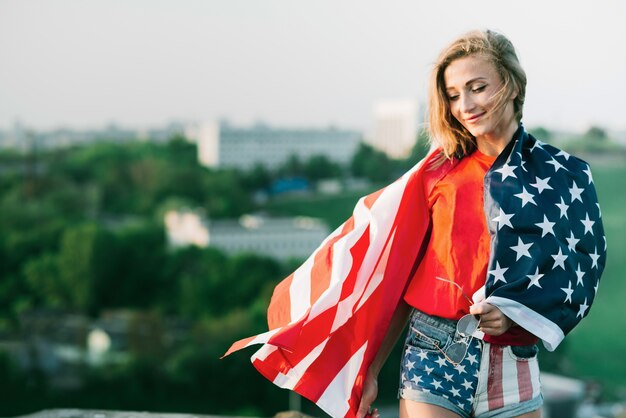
pixel 478 89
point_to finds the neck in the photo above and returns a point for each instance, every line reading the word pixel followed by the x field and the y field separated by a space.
pixel 493 143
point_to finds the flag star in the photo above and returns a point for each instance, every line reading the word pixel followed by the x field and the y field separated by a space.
pixel 460 368
pixel 521 249
pixel 460 404
pixel 557 165
pixel 559 260
pixel 470 399
pixel 455 392
pixel 522 165
pixel 503 219
pixel 568 292
pixel 467 385
pixel 471 358
pixel 587 171
pixel 604 238
pixel 448 377
pixel 416 379
pixel 599 210
pixel 428 370
pixel 563 154
pixel 576 191
pixel 537 144
pixel 423 355
pixel 594 258
pixel 507 171
pixel 572 241
pixel 541 184
pixel 563 208
pixel 579 276
pixel 441 361
pixel 595 288
pixel 436 384
pixel 498 273
pixel 546 226
pixel 588 224
pixel 410 365
pixel 526 197
pixel 583 308
pixel 534 279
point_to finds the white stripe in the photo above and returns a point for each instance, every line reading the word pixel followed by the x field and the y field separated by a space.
pixel 263 352
pixel 534 377
pixel 510 387
pixel 293 376
pixel 334 400
pixel 531 321
pixel 378 275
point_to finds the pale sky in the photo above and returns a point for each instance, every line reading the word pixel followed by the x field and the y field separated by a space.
pixel 291 63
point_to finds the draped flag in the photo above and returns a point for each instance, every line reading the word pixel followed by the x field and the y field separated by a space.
pixel 328 319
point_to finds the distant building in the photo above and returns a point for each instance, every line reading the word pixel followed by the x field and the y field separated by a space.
pixel 279 238
pixel 395 127
pixel 226 146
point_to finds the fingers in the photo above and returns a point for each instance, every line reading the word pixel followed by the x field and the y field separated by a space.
pixel 364 411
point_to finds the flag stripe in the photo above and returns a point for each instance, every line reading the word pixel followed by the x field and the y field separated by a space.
pixel 524 381
pixel 494 383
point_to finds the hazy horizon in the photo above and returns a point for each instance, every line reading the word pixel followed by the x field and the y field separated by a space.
pixel 141 63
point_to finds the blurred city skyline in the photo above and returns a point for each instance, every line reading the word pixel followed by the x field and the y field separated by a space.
pixel 140 63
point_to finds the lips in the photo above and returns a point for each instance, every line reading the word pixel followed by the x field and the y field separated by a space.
pixel 474 118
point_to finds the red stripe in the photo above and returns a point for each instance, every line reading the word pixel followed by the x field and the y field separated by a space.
pixel 524 382
pixel 495 394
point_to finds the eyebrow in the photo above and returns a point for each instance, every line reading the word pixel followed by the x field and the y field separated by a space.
pixel 469 82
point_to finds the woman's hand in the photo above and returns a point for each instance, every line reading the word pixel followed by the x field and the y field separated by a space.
pixel 492 320
pixel 370 392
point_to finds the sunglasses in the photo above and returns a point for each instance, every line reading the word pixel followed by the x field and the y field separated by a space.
pixel 465 327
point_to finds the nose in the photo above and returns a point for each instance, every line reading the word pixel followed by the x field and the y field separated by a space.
pixel 466 104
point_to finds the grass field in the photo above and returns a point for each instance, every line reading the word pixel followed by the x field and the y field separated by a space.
pixel 596 349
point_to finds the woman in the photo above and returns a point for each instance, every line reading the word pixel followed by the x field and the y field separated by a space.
pixel 477 97
pixel 491 242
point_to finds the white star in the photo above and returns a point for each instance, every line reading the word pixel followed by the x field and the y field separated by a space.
pixel 467 385
pixel 572 241
pixel 563 154
pixel 563 208
pixel 534 279
pixel 436 384
pixel 583 308
pixel 522 165
pixel 470 399
pixel 507 171
pixel 521 249
pixel 455 392
pixel 526 197
pixel 503 219
pixel 416 379
pixel 579 275
pixel 423 355
pixel 441 361
pixel 568 292
pixel 594 258
pixel 537 144
pixel 604 238
pixel 498 273
pixel 546 226
pixel 595 288
pixel 599 210
pixel 576 191
pixel 588 173
pixel 448 377
pixel 471 358
pixel 410 365
pixel 559 260
pixel 588 224
pixel 541 184
pixel 460 368
pixel 557 165
pixel 428 370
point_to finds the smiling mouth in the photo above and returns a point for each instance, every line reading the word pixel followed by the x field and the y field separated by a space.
pixel 474 118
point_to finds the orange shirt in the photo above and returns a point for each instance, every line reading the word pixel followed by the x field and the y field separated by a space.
pixel 458 249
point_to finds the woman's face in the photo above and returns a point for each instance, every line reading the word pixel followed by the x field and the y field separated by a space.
pixel 470 83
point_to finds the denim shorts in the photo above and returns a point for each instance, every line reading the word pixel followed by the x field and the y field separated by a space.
pixel 491 381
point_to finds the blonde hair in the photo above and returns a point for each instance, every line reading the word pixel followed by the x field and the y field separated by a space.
pixel 445 131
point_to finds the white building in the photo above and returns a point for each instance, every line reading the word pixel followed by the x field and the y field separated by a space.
pixel 225 146
pixel 280 238
pixel 395 127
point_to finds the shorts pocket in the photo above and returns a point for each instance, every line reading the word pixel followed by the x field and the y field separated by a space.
pixel 523 352
pixel 426 337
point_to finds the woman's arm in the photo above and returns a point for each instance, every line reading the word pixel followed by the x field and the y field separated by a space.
pixel 370 385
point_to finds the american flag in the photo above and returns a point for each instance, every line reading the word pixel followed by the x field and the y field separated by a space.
pixel 327 319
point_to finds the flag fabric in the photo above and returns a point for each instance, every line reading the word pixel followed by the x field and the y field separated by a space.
pixel 328 319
